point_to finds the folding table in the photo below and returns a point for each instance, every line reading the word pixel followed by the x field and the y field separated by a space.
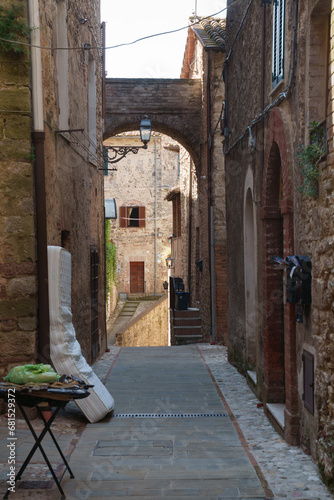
pixel 56 397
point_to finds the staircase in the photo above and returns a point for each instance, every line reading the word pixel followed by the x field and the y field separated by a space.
pixel 186 326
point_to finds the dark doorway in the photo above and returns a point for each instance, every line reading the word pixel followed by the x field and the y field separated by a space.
pixel 137 284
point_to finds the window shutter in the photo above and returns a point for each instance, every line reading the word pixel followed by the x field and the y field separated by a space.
pixel 142 217
pixel 278 41
pixel 122 217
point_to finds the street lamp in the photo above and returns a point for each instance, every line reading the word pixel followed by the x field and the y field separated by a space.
pixel 170 262
pixel 120 152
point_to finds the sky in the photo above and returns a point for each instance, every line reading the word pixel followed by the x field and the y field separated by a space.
pixel 157 57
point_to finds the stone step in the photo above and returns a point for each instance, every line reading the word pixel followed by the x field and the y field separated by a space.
pixel 187 322
pixel 188 331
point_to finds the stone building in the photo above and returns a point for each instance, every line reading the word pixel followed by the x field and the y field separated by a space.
pixel 51 183
pixel 278 78
pixel 202 194
pixel 143 228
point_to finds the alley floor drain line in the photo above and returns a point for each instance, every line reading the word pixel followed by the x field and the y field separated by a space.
pixel 169 415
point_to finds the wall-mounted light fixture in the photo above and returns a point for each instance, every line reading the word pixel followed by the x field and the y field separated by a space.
pixel 120 152
pixel 170 262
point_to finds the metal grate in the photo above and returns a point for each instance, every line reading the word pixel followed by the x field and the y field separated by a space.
pixel 169 415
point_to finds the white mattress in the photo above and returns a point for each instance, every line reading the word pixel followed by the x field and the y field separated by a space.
pixel 66 352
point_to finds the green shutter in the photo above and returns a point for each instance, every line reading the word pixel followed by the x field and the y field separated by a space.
pixel 278 41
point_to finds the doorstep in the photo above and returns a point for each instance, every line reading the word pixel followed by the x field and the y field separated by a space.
pixel 277 411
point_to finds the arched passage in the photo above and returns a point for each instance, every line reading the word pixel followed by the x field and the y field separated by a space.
pixel 173 106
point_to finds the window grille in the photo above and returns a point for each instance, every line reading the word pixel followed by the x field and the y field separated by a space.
pixel 94 303
pixel 308 381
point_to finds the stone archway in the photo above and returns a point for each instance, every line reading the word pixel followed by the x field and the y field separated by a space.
pixel 173 106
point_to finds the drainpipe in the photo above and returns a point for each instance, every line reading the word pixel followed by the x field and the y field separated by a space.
pixel 263 69
pixel 38 140
pixel 155 215
pixel 210 211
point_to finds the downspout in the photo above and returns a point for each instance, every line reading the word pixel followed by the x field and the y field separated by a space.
pixel 210 211
pixel 38 140
pixel 155 215
pixel 263 89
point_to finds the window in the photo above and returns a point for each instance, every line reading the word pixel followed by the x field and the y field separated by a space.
pixel 133 216
pixel 278 41
pixel 308 372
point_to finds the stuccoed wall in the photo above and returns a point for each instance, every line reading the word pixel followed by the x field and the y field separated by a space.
pixel 150 328
pixel 18 306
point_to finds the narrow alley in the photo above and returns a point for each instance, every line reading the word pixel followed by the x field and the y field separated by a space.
pixel 186 425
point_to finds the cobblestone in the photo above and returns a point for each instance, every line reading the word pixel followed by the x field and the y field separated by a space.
pixel 290 473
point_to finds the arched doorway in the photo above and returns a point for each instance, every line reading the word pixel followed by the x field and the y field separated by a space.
pixel 273 342
pixel 279 323
pixel 250 269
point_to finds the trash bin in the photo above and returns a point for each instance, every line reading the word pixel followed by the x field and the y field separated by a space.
pixel 182 300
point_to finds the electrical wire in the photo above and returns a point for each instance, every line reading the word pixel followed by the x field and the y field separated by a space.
pixel 121 44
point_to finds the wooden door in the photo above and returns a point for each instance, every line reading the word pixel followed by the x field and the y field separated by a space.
pixel 137 277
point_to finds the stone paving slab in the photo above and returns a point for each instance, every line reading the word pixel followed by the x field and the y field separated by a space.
pixel 284 470
pixel 153 457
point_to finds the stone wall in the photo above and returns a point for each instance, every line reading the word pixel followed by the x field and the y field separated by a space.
pixel 150 328
pixel 264 179
pixel 208 190
pixel 74 183
pixel 18 300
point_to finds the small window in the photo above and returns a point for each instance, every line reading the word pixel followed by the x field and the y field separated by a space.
pixel 308 381
pixel 133 216
pixel 278 41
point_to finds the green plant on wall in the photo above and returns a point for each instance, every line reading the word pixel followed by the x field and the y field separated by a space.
pixel 13 27
pixel 111 264
pixel 309 158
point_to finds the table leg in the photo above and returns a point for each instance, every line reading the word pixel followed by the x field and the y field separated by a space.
pixel 55 442
pixel 34 448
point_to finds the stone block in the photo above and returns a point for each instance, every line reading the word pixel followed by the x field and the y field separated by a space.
pixel 27 324
pixel 15 100
pixel 12 73
pixel 16 308
pixel 20 151
pixel 22 286
pixel 18 127
pixel 18 343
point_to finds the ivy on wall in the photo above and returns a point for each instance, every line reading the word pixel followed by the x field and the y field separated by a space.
pixel 13 26
pixel 111 264
pixel 309 158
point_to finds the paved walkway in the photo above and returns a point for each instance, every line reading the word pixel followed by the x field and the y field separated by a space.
pixel 239 456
